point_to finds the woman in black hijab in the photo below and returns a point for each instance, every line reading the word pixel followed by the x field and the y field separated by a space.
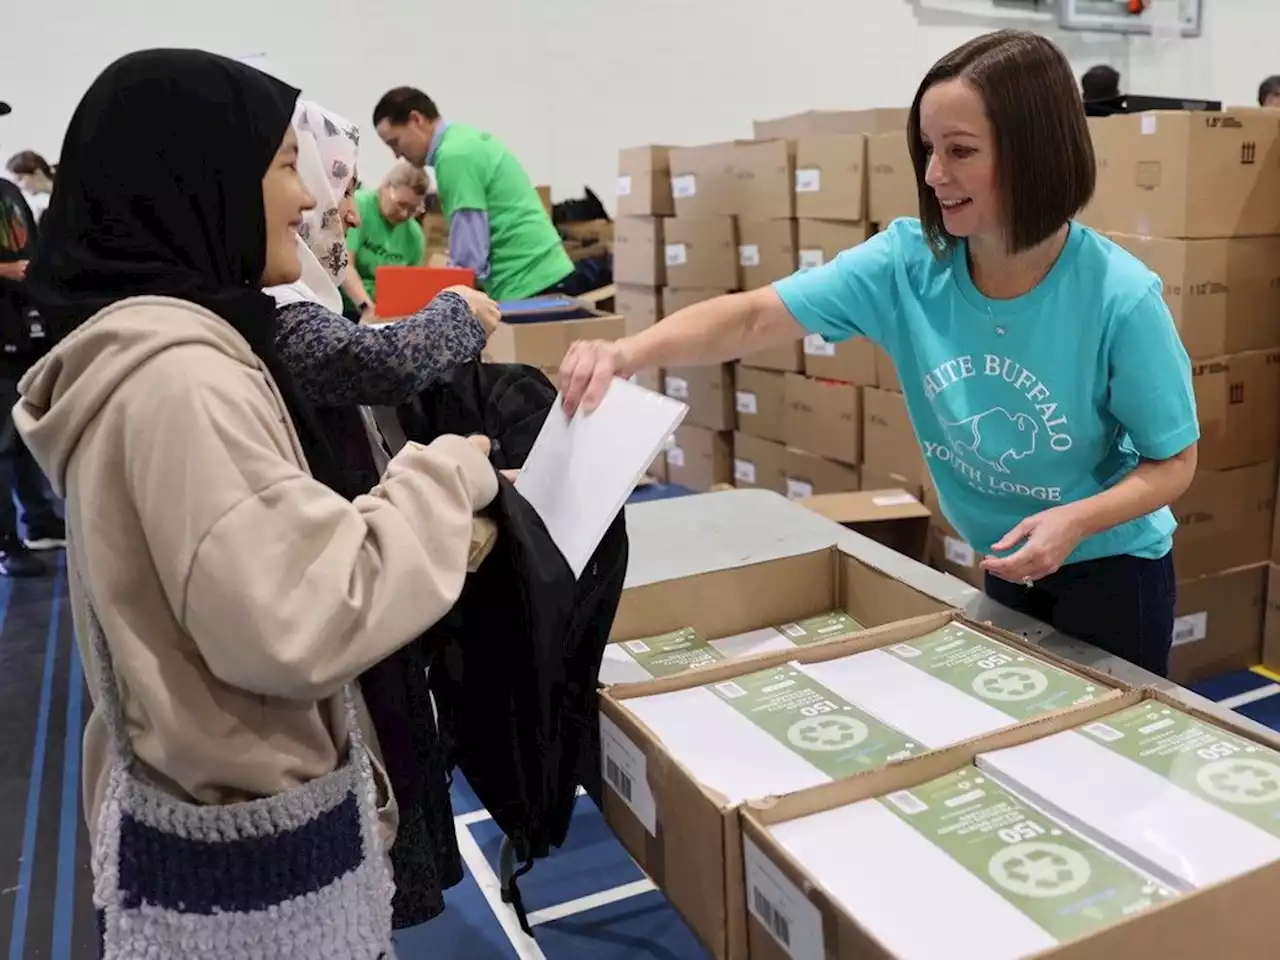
pixel 225 600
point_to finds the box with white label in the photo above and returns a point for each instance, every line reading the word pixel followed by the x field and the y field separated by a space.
pixel 935 856
pixel 695 745
pixel 644 182
pixel 701 252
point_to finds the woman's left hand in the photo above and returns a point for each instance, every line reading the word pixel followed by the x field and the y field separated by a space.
pixel 1047 540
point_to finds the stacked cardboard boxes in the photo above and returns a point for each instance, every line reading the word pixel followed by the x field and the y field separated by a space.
pixel 1196 196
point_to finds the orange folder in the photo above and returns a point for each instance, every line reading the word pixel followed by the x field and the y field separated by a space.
pixel 400 291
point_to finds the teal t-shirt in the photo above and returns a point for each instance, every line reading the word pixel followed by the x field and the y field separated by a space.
pixel 376 243
pixel 1019 404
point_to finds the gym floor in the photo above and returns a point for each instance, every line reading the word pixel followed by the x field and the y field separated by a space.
pixel 587 900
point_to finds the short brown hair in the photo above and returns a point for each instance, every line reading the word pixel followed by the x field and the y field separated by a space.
pixel 1044 157
pixel 405 174
pixel 396 105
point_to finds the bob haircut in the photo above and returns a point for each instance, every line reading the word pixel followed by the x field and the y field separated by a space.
pixel 1045 167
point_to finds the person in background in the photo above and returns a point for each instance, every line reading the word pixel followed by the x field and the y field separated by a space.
pixel 22 485
pixel 1269 92
pixel 1041 368
pixel 498 226
pixel 386 235
pixel 1100 88
pixel 35 176
pixel 225 597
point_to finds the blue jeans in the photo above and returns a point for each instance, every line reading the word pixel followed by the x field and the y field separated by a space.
pixel 1124 605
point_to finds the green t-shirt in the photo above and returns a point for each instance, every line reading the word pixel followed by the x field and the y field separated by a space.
pixel 475 171
pixel 375 243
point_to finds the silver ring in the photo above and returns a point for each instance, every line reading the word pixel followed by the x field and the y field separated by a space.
pixel 1028 582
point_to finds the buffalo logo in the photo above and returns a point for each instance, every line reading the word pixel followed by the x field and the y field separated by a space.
pixel 995 437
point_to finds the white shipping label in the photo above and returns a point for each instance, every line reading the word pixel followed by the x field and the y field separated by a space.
pixel 677 255
pixel 958 552
pixel 747 402
pixel 798 489
pixel 815 346
pixel 749 255
pixel 782 909
pixel 677 388
pixel 812 258
pixel 624 186
pixel 685 185
pixel 626 772
pixel 808 180
pixel 1148 124
pixel 894 500
pixel 744 471
pixel 675 457
pixel 1192 627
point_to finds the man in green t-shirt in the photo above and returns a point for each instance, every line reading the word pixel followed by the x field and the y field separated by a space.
pixel 387 233
pixel 498 226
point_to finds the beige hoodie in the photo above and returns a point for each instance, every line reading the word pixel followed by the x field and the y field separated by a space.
pixel 237 594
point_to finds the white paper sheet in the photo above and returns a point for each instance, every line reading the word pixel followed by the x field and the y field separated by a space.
pixel 581 471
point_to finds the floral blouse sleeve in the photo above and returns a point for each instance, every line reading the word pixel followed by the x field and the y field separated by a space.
pixel 336 362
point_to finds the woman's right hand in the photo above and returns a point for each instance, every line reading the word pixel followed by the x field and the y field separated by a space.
pixel 482 307
pixel 588 369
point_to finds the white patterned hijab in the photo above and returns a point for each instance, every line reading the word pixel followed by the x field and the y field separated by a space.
pixel 327 149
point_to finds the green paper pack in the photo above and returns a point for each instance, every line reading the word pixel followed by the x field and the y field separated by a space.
pixel 813 722
pixel 1229 771
pixel 1056 878
pixel 672 652
pixel 836 625
pixel 1015 683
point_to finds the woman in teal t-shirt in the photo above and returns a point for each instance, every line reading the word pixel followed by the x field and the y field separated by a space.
pixel 388 235
pixel 1041 368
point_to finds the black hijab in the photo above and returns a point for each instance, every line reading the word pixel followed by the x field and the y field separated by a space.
pixel 160 193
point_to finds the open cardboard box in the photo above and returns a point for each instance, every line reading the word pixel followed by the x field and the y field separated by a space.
pixel 688 837
pixel 1231 919
pixel 893 517
pixel 725 603
pixel 541 337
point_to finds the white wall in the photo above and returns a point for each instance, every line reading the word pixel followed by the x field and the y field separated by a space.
pixel 567 82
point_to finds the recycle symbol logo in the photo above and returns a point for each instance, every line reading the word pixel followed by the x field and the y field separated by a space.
pixel 1010 683
pixel 1040 870
pixel 827 733
pixel 1240 781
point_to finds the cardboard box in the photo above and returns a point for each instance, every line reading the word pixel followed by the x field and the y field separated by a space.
pixel 1226 920
pixel 758 463
pixel 822 123
pixel 1238 402
pixel 890 450
pixel 1271 621
pixel 687 836
pixel 831 177
pixel 807 474
pixel 766 251
pixel 887 515
pixel 698 458
pixel 761 403
pixel 644 182
pixel 702 180
pixel 639 307
pixel 702 252
pixel 1187 174
pixel 891 178
pixel 1225 520
pixel 823 417
pixel 788 358
pixel 947 550
pixel 545 344
pixel 708 391
pixel 1219 624
pixel 638 252
pixel 675 299
pixel 821 240
pixel 850 361
pixel 1224 294
pixel 764 175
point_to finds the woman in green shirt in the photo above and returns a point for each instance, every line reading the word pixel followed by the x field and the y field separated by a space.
pixel 388 234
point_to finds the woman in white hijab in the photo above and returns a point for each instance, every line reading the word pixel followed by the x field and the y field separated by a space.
pixel 338 363
pixel 340 366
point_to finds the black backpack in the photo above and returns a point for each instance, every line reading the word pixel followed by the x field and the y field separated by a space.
pixel 515 664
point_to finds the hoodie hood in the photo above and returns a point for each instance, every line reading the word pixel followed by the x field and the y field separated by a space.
pixel 70 386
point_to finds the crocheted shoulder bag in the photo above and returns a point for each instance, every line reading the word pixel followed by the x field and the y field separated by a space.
pixel 296 876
